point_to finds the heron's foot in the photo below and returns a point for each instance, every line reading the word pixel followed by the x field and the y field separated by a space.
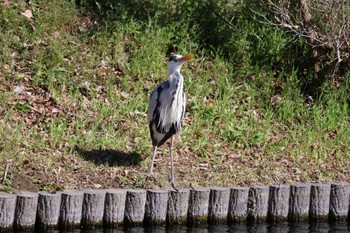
pixel 154 178
pixel 191 186
pixel 172 182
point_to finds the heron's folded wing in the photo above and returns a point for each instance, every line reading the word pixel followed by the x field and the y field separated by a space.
pixel 155 103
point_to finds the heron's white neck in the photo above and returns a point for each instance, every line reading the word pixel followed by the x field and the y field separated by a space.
pixel 174 67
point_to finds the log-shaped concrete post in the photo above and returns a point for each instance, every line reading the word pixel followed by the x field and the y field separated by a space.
pixel 27 203
pixel 178 206
pixel 339 202
pixel 93 207
pixel 278 202
pixel 156 206
pixel 135 207
pixel 198 205
pixel 299 202
pixel 48 209
pixel 238 205
pixel 258 203
pixel 7 213
pixel 71 209
pixel 319 201
pixel 218 204
pixel 114 207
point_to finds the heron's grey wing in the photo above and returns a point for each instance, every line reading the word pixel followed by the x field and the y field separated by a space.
pixel 154 103
pixel 152 106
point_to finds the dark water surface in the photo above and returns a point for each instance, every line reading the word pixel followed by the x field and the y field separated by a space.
pixel 240 228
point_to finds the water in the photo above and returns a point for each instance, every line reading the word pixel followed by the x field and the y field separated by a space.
pixel 239 228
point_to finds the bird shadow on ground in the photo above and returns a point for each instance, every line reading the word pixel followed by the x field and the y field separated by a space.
pixel 110 157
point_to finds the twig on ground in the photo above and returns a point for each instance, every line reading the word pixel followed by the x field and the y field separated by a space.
pixel 7 168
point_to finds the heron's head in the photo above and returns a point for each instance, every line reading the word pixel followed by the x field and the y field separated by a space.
pixel 176 61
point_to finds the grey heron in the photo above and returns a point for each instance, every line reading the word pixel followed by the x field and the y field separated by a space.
pixel 166 109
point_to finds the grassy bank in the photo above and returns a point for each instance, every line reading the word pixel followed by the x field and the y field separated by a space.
pixel 74 92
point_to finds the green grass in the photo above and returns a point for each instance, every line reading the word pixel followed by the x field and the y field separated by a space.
pixel 87 83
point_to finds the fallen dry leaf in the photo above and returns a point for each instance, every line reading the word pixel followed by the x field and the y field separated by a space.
pixel 18 90
pixel 28 14
pixel 52 191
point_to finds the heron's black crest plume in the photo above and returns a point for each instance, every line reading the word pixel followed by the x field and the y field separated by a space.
pixel 172 58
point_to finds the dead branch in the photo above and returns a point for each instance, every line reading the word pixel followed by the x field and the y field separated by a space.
pixel 325 25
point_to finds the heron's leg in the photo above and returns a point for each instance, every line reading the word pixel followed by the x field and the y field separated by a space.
pixel 172 178
pixel 151 170
pixel 154 155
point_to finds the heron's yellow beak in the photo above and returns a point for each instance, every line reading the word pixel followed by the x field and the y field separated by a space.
pixel 185 58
